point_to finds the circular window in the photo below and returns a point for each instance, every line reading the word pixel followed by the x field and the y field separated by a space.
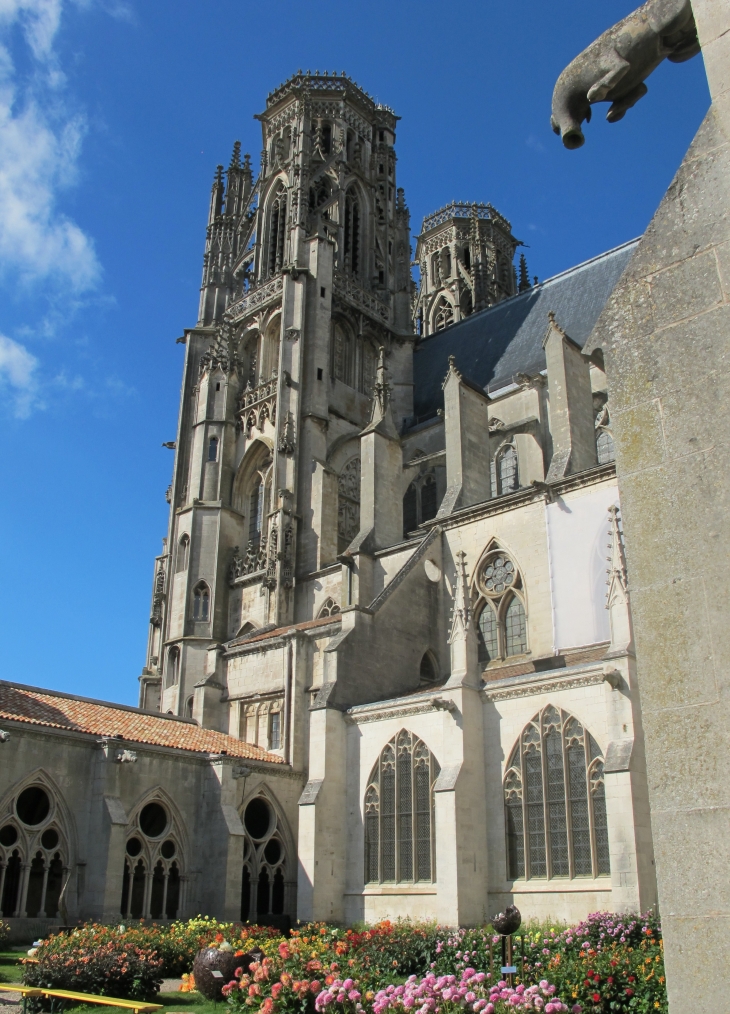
pixel 257 818
pixel 498 575
pixel 153 820
pixel 33 806
pixel 49 839
pixel 134 847
pixel 8 835
pixel 272 852
pixel 168 849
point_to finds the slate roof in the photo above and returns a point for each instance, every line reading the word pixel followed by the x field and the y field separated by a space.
pixel 492 346
pixel 100 718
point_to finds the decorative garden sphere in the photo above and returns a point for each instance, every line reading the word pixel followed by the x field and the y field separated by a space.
pixel 210 960
pixel 507 922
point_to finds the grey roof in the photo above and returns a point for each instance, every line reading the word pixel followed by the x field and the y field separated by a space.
pixel 494 345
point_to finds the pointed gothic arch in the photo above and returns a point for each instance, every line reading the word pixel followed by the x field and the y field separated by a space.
pixel 442 315
pixel 398 811
pixel 156 845
pixel 268 876
pixel 38 836
pixel 276 218
pixel 555 801
pixel 501 605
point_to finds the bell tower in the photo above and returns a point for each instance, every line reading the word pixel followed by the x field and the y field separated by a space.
pixel 306 277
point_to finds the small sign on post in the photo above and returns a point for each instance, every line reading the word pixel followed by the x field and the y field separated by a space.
pixel 216 974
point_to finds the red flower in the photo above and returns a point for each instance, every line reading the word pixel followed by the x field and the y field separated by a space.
pixel 629 992
pixel 596 997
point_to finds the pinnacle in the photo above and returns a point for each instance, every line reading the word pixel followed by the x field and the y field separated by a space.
pixel 236 156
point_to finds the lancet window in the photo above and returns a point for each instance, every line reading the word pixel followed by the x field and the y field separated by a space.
pixel 555 801
pixel 34 861
pixel 348 504
pixel 277 231
pixel 172 669
pixel 152 878
pixel 266 887
pixel 399 813
pixel 344 354
pixel 604 446
pixel 505 471
pixel 201 603
pixel 502 617
pixel 443 315
pixel 183 553
pixel 351 239
pixel 420 502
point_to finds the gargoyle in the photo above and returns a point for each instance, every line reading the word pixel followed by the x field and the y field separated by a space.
pixel 613 68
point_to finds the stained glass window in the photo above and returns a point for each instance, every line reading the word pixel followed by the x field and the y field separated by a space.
pixel 399 826
pixel 604 447
pixel 555 801
pixel 508 478
pixel 348 508
pixel 515 628
pixel 488 636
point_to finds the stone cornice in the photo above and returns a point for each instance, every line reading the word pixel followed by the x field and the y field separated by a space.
pixel 523 497
pixel 541 683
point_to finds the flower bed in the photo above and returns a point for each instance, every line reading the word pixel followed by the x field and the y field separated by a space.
pixel 603 965
pixel 108 968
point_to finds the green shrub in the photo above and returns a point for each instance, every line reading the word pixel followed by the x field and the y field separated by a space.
pixel 90 962
pixel 4 933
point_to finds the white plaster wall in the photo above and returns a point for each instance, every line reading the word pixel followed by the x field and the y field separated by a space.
pixel 577 526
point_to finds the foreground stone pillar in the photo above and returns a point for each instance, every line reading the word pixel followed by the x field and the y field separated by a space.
pixel 665 336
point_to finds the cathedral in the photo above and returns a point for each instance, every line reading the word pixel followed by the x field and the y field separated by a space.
pixel 390 667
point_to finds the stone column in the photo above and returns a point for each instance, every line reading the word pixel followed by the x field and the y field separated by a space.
pixel 664 336
pixel 322 821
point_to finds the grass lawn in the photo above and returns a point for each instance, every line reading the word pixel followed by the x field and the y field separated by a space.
pixel 10 970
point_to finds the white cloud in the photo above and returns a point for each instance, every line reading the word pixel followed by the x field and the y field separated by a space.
pixel 40 141
pixel 18 377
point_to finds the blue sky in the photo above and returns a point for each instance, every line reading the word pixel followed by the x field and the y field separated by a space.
pixel 113 116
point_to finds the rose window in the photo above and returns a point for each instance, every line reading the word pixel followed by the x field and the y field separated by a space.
pixel 499 574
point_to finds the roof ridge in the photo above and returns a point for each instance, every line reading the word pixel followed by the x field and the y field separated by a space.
pixel 423 341
pixel 94 700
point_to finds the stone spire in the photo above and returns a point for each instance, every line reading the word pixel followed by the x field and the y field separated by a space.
pixel 463 638
pixel 381 417
pixel 524 282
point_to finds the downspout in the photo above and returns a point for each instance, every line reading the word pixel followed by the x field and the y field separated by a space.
pixel 287 702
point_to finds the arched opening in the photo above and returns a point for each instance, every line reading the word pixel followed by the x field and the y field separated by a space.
pixel 554 798
pixel 183 552
pixel 11 886
pixel 443 315
pixel 329 608
pixel 277 231
pixel 605 447
pixel 507 471
pixel 201 603
pixel 399 813
pixel 213 449
pixel 429 498
pixel 151 879
pixel 189 703
pixel 172 669
pixel 500 609
pixel 344 354
pixel 348 505
pixel 351 239
pixel 410 509
pixel 427 671
pixel 264 881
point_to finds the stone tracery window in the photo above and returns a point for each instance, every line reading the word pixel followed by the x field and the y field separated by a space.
pixel 32 838
pixel 201 603
pixel 277 231
pixel 399 813
pixel 344 354
pixel 443 315
pixel 330 608
pixel 351 244
pixel 265 887
pixel 506 471
pixel 604 446
pixel 152 878
pixel 502 617
pixel 555 801
pixel 348 506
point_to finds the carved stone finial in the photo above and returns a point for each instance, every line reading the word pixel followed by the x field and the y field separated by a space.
pixel 613 68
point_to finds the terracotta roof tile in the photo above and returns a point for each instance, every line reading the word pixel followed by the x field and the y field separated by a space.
pixel 101 718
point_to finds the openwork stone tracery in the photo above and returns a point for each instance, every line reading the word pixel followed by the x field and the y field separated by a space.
pixel 555 801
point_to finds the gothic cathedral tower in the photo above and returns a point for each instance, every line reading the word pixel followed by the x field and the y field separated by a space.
pixel 306 277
